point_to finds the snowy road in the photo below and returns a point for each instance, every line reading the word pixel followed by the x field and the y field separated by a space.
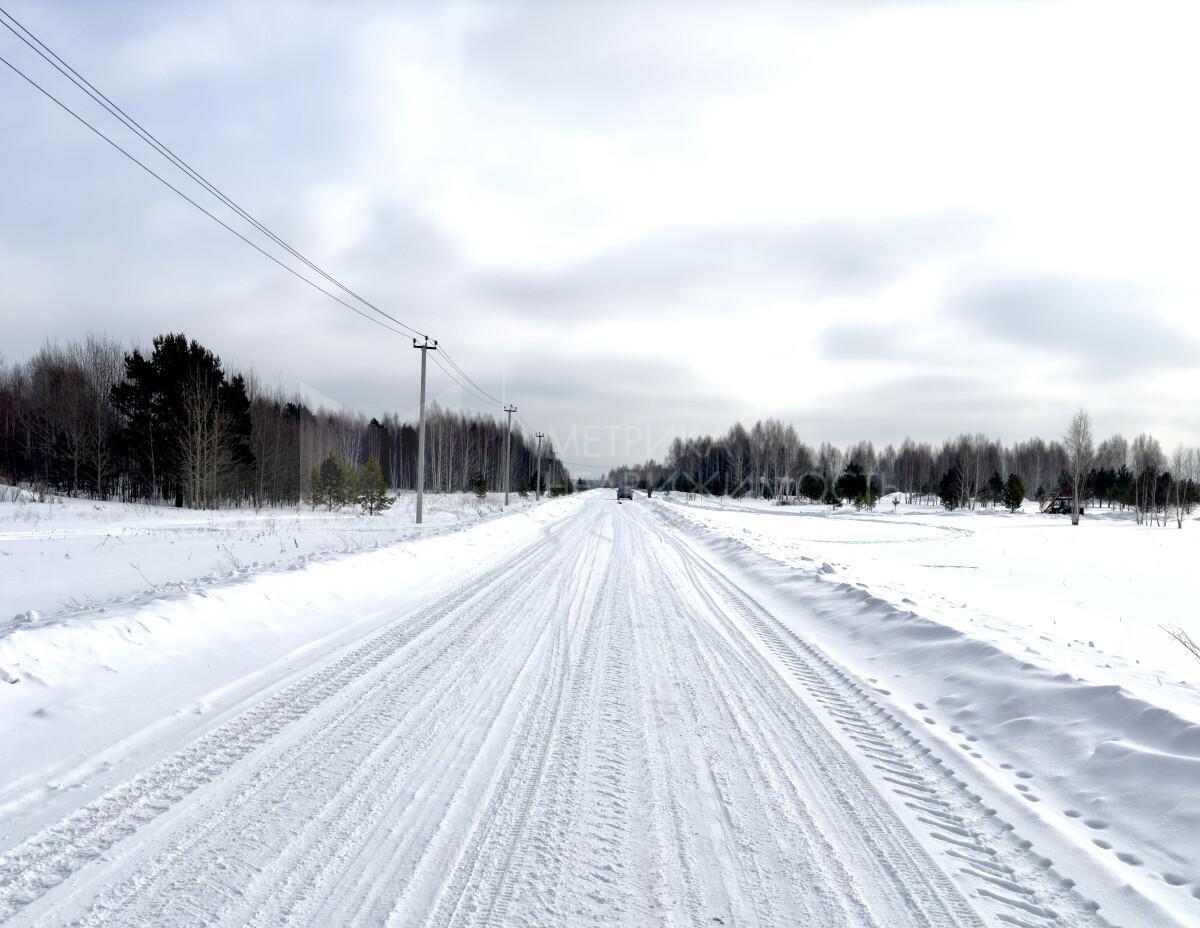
pixel 605 730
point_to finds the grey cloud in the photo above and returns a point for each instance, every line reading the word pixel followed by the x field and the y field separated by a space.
pixel 853 341
pixel 609 60
pixel 589 61
pixel 1099 325
pixel 612 380
pixel 925 406
pixel 795 260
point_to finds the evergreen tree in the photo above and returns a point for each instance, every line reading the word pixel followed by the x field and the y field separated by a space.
pixel 995 488
pixel 1121 490
pixel 812 487
pixel 1014 493
pixel 159 398
pixel 316 488
pixel 235 408
pixel 333 484
pixel 348 488
pixel 852 484
pixel 372 488
pixel 949 487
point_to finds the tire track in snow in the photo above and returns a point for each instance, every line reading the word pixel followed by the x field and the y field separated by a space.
pixel 576 866
pixel 315 803
pixel 602 731
pixel 1016 888
pixel 523 811
pixel 43 861
pixel 480 874
pixel 794 857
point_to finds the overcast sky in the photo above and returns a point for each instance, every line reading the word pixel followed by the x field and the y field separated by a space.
pixel 870 219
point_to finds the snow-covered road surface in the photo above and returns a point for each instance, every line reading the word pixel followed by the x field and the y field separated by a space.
pixel 603 730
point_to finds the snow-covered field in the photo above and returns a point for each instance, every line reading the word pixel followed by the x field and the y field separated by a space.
pixel 1030 651
pixel 586 712
pixel 68 555
pixel 1092 600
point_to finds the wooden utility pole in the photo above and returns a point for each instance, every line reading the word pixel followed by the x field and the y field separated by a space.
pixel 424 347
pixel 508 452
pixel 540 436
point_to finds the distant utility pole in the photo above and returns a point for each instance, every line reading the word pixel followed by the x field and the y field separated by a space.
pixel 424 347
pixel 508 452
pixel 540 436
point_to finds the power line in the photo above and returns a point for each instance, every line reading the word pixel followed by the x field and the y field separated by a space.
pixel 466 377
pixel 471 387
pixel 460 384
pixel 166 183
pixel 65 69
pixel 467 390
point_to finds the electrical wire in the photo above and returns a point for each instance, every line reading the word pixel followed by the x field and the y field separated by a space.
pixel 471 387
pixel 166 183
pixel 67 71
pixel 465 376
pixel 458 382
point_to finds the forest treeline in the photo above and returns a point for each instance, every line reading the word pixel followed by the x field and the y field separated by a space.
pixel 172 425
pixel 770 460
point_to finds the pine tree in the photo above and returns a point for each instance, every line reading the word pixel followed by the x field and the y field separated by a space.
pixel 813 487
pixel 1014 493
pixel 855 485
pixel 995 488
pixel 949 488
pixel 316 488
pixel 372 489
pixel 348 487
pixel 332 484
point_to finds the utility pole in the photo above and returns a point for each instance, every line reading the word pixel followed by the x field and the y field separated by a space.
pixel 540 436
pixel 508 452
pixel 424 347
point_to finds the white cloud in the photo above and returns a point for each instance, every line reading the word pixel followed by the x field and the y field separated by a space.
pixel 427 153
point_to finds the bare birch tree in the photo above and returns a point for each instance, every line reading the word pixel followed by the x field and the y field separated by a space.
pixel 1080 450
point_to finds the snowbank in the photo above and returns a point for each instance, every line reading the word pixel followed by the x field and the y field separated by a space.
pixel 1091 600
pixel 88 691
pixel 67 556
pixel 1091 766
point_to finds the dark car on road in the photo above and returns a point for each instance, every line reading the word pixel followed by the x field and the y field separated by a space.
pixel 624 493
